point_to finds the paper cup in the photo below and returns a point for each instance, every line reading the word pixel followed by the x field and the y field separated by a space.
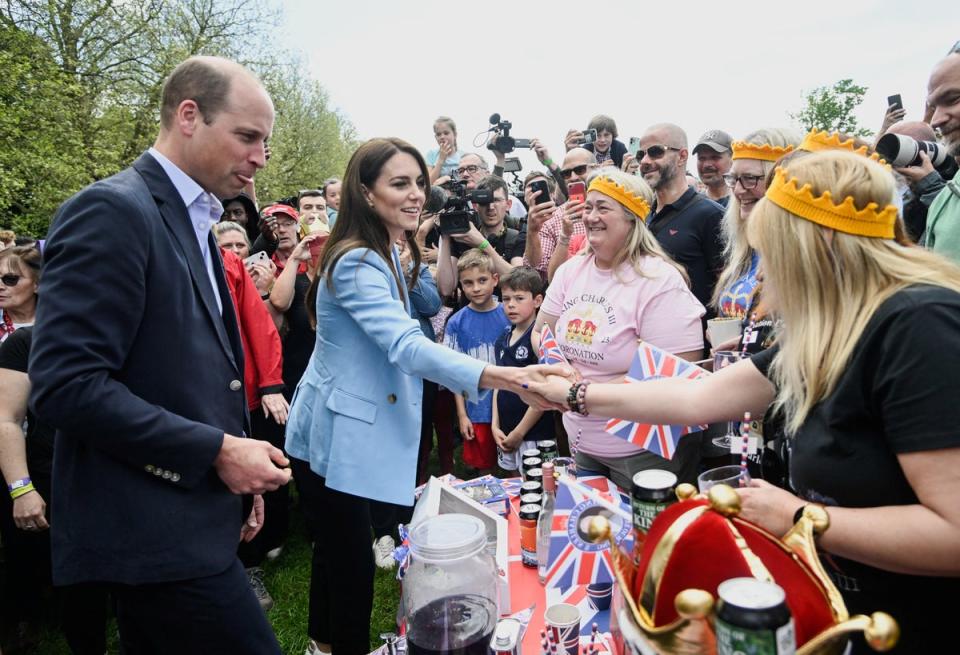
pixel 563 624
pixel 600 594
pixel 722 329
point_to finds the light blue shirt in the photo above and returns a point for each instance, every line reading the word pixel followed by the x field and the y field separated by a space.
pixel 204 209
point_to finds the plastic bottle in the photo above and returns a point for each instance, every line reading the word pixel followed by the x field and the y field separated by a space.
pixel 545 520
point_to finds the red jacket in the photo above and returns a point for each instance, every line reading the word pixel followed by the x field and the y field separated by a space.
pixel 262 351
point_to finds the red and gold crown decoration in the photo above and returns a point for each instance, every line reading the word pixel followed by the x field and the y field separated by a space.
pixel 761 151
pixel 871 221
pixel 665 602
pixel 817 140
pixel 608 187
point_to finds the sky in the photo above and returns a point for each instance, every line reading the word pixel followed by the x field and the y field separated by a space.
pixel 392 67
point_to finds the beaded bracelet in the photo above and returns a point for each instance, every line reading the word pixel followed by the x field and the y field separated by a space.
pixel 577 397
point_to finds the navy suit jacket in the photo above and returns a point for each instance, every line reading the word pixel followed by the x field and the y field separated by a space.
pixel 140 373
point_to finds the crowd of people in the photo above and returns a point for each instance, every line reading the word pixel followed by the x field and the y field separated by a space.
pixel 176 350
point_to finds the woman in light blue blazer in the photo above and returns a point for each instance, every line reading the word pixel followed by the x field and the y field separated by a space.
pixel 354 428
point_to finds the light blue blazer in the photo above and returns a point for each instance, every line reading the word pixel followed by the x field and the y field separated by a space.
pixel 355 415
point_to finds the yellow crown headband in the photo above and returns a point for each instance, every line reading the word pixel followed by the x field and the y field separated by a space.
pixel 816 141
pixel 618 192
pixel 763 151
pixel 870 221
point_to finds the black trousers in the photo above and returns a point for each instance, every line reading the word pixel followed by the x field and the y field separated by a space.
pixel 276 504
pixel 82 608
pixel 217 614
pixel 341 580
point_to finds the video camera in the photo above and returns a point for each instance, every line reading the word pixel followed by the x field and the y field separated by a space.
pixel 503 142
pixel 457 214
pixel 900 150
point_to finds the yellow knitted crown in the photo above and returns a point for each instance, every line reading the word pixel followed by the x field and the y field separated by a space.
pixel 762 151
pixel 817 140
pixel 621 194
pixel 871 221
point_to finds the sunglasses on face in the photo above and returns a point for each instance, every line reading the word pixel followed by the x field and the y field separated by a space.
pixel 11 279
pixel 746 181
pixel 580 170
pixel 654 152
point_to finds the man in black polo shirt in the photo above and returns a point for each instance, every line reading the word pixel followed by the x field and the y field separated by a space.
pixel 503 244
pixel 686 223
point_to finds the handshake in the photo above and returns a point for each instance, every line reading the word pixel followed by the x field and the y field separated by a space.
pixel 544 386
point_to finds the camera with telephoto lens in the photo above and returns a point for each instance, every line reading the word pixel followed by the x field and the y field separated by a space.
pixel 457 214
pixel 900 151
pixel 503 142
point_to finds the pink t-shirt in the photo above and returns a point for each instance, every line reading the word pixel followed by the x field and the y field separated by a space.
pixel 603 314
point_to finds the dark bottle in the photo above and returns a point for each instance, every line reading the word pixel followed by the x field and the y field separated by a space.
pixel 453 625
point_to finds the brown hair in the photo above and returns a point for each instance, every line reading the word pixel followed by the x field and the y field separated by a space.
pixel 523 278
pixel 603 123
pixel 358 225
pixel 27 260
pixel 475 258
pixel 196 79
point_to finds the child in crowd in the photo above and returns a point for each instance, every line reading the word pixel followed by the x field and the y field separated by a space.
pixel 514 422
pixel 474 330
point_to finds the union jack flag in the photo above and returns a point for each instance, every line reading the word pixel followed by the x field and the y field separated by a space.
pixel 550 352
pixel 651 363
pixel 512 486
pixel 573 560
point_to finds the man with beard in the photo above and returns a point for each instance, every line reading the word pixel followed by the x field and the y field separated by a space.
pixel 686 223
pixel 943 99
pixel 503 244
pixel 713 162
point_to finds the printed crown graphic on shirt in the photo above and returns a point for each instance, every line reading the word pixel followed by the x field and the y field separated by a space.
pixel 581 329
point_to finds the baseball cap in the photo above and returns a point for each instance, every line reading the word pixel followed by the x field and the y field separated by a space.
pixel 280 208
pixel 716 140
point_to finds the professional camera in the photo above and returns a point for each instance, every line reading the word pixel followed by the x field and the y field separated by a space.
pixel 457 214
pixel 900 150
pixel 503 142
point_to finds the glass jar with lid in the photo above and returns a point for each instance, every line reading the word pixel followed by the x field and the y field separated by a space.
pixel 450 588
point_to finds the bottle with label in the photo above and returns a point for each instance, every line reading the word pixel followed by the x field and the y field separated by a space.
pixel 545 520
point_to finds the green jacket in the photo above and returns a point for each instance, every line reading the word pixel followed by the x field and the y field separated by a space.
pixel 943 221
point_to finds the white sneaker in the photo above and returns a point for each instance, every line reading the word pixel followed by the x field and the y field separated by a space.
pixel 313 649
pixel 274 553
pixel 383 552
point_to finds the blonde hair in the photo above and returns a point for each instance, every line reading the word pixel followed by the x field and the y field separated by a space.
pixel 475 258
pixel 737 253
pixel 829 284
pixel 640 242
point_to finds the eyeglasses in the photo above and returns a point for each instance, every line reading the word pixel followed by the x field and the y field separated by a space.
pixel 746 181
pixel 238 212
pixel 579 170
pixel 655 152
pixel 11 279
pixel 472 168
pixel 286 224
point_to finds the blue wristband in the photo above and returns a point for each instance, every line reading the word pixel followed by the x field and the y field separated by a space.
pixel 17 484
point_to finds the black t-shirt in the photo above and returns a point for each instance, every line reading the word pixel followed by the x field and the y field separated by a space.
pixel 897 395
pixel 14 355
pixel 689 230
pixel 298 337
pixel 510 407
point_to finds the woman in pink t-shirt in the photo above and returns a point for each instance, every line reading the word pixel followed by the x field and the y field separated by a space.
pixel 621 289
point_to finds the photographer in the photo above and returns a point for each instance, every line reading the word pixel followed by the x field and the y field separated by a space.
pixel 602 143
pixel 503 244
pixel 943 99
pixel 923 181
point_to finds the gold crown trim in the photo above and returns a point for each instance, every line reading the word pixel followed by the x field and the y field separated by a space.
pixel 761 151
pixel 817 140
pixel 621 194
pixel 871 221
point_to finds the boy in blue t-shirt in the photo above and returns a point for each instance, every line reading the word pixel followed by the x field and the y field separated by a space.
pixel 514 422
pixel 473 331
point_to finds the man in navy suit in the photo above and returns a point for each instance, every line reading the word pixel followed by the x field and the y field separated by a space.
pixel 137 362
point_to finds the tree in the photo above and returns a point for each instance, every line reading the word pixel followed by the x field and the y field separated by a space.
pixel 830 108
pixel 82 82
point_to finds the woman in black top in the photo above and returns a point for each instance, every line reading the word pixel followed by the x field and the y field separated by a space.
pixel 864 375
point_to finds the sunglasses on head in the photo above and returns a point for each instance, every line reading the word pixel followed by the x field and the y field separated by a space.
pixel 655 152
pixel 579 170
pixel 11 279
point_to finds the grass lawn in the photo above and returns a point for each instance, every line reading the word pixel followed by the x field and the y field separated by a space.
pixel 288 581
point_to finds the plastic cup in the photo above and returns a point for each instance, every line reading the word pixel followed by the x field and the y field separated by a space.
pixel 730 475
